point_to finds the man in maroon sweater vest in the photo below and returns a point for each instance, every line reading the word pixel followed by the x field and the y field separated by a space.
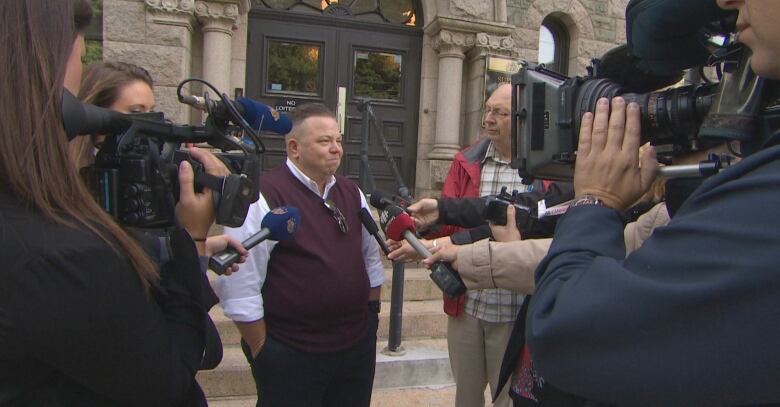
pixel 301 304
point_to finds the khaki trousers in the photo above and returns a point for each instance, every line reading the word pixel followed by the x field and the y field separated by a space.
pixel 476 349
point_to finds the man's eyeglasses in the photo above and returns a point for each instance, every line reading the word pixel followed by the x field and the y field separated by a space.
pixel 496 112
pixel 337 215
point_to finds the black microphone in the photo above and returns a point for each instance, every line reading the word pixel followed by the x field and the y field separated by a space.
pixel 372 228
pixel 381 199
pixel 400 226
pixel 258 115
pixel 279 224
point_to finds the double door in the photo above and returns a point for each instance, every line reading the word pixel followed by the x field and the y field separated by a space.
pixel 300 59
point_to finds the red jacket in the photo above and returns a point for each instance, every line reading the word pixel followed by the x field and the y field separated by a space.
pixel 463 182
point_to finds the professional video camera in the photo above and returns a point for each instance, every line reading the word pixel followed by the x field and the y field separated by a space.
pixel 135 175
pixel 547 107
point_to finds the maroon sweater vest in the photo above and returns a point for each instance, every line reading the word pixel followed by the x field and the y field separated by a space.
pixel 316 289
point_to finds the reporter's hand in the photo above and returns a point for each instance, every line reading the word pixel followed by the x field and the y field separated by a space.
pixel 508 232
pixel 607 165
pixel 425 212
pixel 403 251
pixel 195 211
pixel 218 243
pixel 446 253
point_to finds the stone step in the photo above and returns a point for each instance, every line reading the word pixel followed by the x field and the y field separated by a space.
pixel 420 319
pixel 424 363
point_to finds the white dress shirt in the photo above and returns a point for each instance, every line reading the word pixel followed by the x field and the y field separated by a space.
pixel 240 292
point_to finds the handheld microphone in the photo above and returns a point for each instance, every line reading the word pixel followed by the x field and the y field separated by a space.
pixel 279 224
pixel 400 226
pixel 258 115
pixel 381 199
pixel 372 228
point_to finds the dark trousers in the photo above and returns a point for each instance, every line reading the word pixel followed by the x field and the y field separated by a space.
pixel 288 377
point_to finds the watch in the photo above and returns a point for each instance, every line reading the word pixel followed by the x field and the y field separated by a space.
pixel 587 200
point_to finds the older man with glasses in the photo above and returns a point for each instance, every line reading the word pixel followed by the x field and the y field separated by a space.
pixel 301 304
pixel 480 321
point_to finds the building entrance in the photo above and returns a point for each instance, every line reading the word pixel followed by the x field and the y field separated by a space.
pixel 295 58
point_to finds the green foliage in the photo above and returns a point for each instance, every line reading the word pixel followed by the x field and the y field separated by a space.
pixel 295 67
pixel 94 52
pixel 378 76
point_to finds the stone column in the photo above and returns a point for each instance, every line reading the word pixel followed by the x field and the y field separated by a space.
pixel 162 43
pixel 451 47
pixel 218 21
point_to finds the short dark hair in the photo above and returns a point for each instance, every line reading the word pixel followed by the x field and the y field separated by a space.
pixel 303 112
pixel 306 111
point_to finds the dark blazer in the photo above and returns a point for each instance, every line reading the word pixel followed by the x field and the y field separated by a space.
pixel 688 319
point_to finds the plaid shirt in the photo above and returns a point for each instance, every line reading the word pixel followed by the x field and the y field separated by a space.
pixel 496 305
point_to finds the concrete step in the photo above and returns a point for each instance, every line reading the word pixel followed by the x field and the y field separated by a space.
pixel 424 396
pixel 420 319
pixel 424 363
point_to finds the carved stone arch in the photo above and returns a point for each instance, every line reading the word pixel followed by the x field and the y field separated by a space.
pixel 575 18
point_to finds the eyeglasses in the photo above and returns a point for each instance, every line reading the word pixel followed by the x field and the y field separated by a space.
pixel 337 215
pixel 496 112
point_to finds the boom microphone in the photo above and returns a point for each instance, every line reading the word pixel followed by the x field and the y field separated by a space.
pixel 258 115
pixel 400 226
pixel 372 228
pixel 279 224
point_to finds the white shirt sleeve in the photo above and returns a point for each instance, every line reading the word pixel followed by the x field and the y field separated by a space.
pixel 240 292
pixel 371 253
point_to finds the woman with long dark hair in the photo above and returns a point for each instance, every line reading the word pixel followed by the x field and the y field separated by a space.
pixel 86 318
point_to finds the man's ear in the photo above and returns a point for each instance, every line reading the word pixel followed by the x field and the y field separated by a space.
pixel 293 148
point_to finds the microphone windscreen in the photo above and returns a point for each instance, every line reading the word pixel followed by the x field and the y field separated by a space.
pixel 82 118
pixel 262 117
pixel 396 226
pixel 282 222
pixel 380 199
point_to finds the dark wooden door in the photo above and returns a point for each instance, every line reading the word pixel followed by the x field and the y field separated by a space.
pixel 296 59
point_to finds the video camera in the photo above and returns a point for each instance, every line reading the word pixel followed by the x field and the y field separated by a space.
pixel 547 107
pixel 135 173
pixel 496 206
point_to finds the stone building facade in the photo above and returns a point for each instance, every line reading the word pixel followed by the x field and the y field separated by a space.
pixel 176 39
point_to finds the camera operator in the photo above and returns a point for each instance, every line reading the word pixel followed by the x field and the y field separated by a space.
pixel 85 316
pixel 688 318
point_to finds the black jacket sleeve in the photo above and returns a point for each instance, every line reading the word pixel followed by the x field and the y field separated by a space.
pixel 471 213
pixel 687 319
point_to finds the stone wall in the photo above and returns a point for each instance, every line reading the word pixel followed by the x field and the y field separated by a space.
pixel 176 39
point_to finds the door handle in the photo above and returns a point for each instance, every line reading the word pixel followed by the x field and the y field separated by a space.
pixel 341 108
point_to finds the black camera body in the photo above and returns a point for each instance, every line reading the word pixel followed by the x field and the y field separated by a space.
pixel 663 39
pixel 135 173
pixel 496 206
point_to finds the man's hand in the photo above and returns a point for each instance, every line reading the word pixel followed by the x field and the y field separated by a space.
pixel 425 212
pixel 218 243
pixel 254 334
pixel 195 211
pixel 607 164
pixel 508 232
